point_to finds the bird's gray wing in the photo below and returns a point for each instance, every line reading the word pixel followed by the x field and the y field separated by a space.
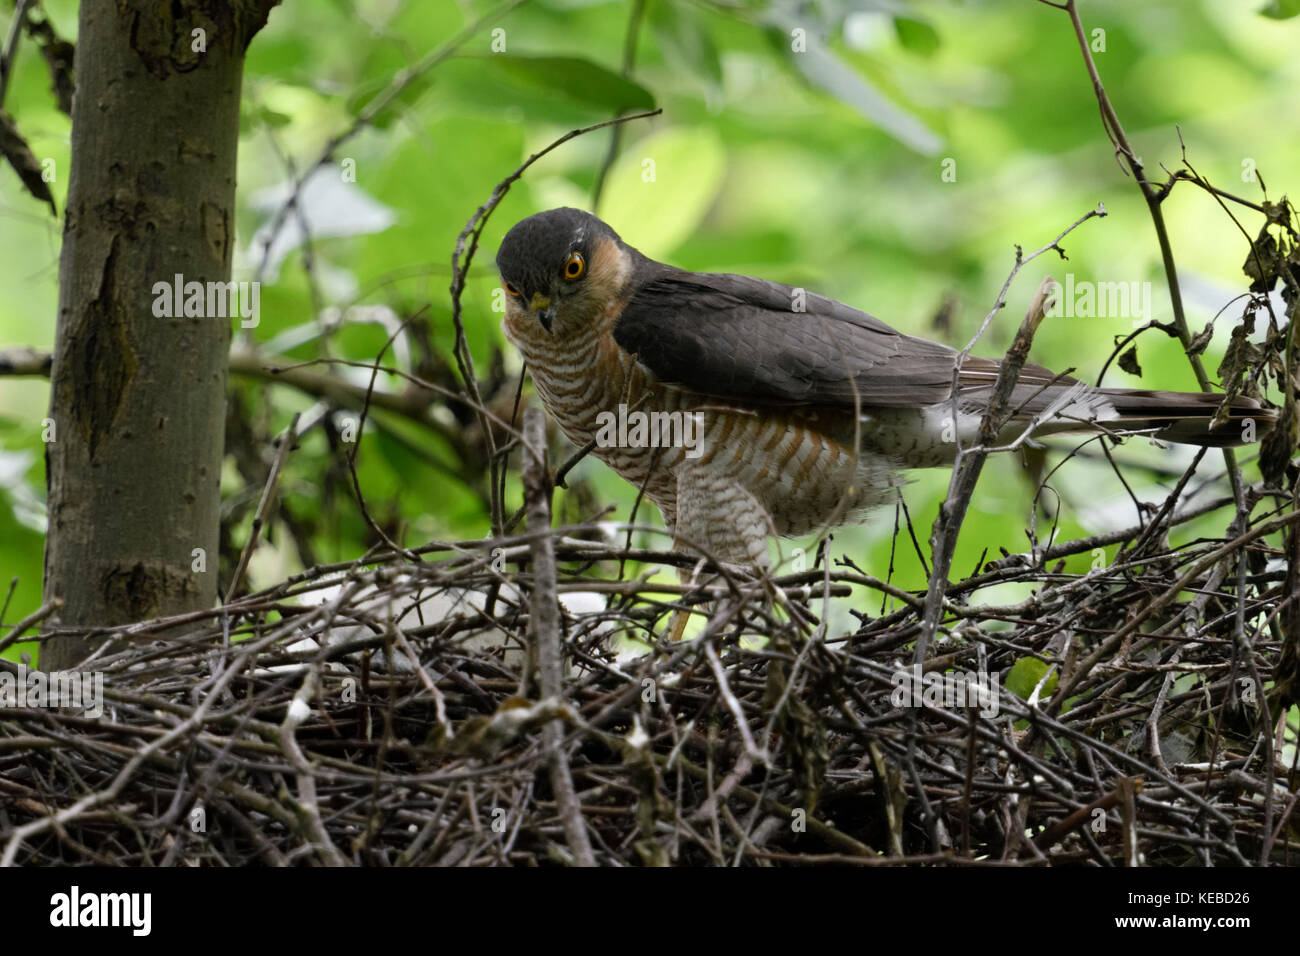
pixel 743 338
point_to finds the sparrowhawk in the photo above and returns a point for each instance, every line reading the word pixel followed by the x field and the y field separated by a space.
pixel 803 410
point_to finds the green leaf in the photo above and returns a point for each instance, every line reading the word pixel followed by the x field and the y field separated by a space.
pixel 252 117
pixel 1025 675
pixel 1128 361
pixel 1281 9
pixel 578 79
pixel 659 190
pixel 824 69
pixel 401 102
pixel 917 36
pixel 686 43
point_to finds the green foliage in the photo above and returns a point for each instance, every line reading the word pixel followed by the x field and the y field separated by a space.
pixel 1281 9
pixel 688 169
pixel 1026 674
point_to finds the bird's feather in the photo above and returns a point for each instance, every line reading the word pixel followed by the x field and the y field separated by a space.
pixel 742 338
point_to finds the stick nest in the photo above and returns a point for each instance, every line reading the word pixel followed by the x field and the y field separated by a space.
pixel 291 726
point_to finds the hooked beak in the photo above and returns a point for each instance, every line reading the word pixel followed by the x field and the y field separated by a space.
pixel 545 310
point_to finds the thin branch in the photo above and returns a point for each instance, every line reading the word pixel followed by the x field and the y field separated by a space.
pixel 545 636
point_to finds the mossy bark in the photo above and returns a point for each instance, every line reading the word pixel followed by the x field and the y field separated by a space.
pixel 138 401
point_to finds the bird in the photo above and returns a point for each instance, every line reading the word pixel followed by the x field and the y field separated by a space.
pixel 804 412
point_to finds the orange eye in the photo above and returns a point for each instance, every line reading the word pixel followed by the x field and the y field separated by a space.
pixel 511 290
pixel 575 267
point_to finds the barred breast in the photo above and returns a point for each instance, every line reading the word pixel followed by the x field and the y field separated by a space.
pixel 787 459
pixel 583 374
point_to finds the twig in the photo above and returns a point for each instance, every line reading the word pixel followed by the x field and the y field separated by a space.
pixel 634 19
pixel 544 626
pixel 947 525
pixel 308 806
pixel 40 614
pixel 285 442
pixel 10 49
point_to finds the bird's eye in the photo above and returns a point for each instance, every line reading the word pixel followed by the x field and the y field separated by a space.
pixel 575 266
pixel 512 290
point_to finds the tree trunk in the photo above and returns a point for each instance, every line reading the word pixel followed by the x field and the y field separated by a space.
pixel 137 403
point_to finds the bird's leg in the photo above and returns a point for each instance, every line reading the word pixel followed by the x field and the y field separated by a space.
pixel 681 616
pixel 718 517
pixel 726 605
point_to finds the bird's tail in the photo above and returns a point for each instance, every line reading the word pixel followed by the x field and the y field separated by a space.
pixel 1187 418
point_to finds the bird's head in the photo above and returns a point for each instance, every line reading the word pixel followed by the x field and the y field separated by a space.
pixel 563 267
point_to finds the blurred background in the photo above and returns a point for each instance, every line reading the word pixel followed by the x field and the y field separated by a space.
pixel 890 154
